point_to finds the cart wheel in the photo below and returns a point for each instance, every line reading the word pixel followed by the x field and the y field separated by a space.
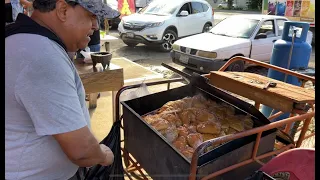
pixel 237 66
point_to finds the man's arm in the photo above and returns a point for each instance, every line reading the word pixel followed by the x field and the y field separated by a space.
pixel 47 89
pixel 83 149
pixel 26 4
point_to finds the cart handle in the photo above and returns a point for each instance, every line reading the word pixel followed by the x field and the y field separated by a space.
pixel 266 65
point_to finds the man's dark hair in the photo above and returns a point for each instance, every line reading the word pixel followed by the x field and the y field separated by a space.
pixel 48 5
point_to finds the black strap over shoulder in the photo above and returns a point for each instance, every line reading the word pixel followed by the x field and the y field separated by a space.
pixel 25 24
pixel 8 12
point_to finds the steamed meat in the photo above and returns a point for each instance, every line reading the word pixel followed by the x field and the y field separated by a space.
pixel 202 115
pixel 172 105
pixel 224 125
pixel 192 129
pixel 183 131
pixel 205 116
pixel 207 137
pixel 199 104
pixel 228 108
pixel 172 118
pixel 187 116
pixel 188 122
pixel 188 152
pixel 231 131
pixel 180 143
pixel 194 140
pixel 187 102
pixel 151 118
pixel 209 127
pixel 219 112
pixel 160 124
pixel 211 104
pixel 235 123
pixel 171 133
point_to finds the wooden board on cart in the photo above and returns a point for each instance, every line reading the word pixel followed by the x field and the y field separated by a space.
pixel 282 97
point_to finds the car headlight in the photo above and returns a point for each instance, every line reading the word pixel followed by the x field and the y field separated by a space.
pixel 150 25
pixel 176 47
pixel 207 54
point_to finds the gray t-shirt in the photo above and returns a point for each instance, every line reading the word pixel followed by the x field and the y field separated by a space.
pixel 43 96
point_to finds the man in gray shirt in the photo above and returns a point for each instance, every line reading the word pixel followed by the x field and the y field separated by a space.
pixel 47 134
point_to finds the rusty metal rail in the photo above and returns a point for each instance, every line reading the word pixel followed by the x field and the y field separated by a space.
pixel 266 65
pixel 258 131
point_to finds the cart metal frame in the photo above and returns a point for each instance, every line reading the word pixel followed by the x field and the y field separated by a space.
pixel 296 115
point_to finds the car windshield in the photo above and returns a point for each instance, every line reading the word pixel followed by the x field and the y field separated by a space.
pixel 160 8
pixel 235 27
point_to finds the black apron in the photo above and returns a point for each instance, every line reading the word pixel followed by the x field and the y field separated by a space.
pixel 8 12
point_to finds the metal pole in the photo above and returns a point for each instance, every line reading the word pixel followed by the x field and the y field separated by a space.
pixel 290 54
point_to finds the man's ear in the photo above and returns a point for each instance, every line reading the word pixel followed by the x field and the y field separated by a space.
pixel 61 10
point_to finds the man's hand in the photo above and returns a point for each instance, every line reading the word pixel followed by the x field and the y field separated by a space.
pixel 26 4
pixel 108 155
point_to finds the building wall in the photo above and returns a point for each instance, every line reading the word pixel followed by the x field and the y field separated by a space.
pixel 239 3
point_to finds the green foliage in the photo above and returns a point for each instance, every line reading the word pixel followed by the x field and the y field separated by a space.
pixel 254 4
pixel 230 3
pixel 236 8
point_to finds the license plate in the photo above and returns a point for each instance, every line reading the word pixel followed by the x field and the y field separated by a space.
pixel 184 59
pixel 130 35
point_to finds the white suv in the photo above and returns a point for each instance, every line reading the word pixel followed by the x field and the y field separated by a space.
pixel 164 21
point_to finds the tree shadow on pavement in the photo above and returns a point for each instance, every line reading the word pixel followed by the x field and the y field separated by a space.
pixel 140 52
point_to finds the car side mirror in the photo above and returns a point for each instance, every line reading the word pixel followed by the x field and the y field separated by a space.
pixel 261 36
pixel 184 13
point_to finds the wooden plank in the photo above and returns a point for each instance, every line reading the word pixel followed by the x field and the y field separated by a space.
pixel 243 86
pixel 292 92
pixel 102 81
pixel 96 80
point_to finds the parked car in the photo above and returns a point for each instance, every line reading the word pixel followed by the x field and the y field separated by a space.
pixel 225 5
pixel 164 21
pixel 239 35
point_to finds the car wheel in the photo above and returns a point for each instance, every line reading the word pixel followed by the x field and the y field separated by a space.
pixel 130 44
pixel 206 27
pixel 237 66
pixel 169 37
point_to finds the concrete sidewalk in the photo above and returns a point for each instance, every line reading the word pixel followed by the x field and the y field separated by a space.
pixel 312 58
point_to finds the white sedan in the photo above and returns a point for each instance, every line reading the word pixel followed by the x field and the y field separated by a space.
pixel 239 35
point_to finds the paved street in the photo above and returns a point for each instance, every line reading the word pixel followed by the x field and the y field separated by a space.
pixel 152 58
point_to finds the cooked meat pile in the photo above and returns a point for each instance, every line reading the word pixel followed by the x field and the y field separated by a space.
pixel 190 121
